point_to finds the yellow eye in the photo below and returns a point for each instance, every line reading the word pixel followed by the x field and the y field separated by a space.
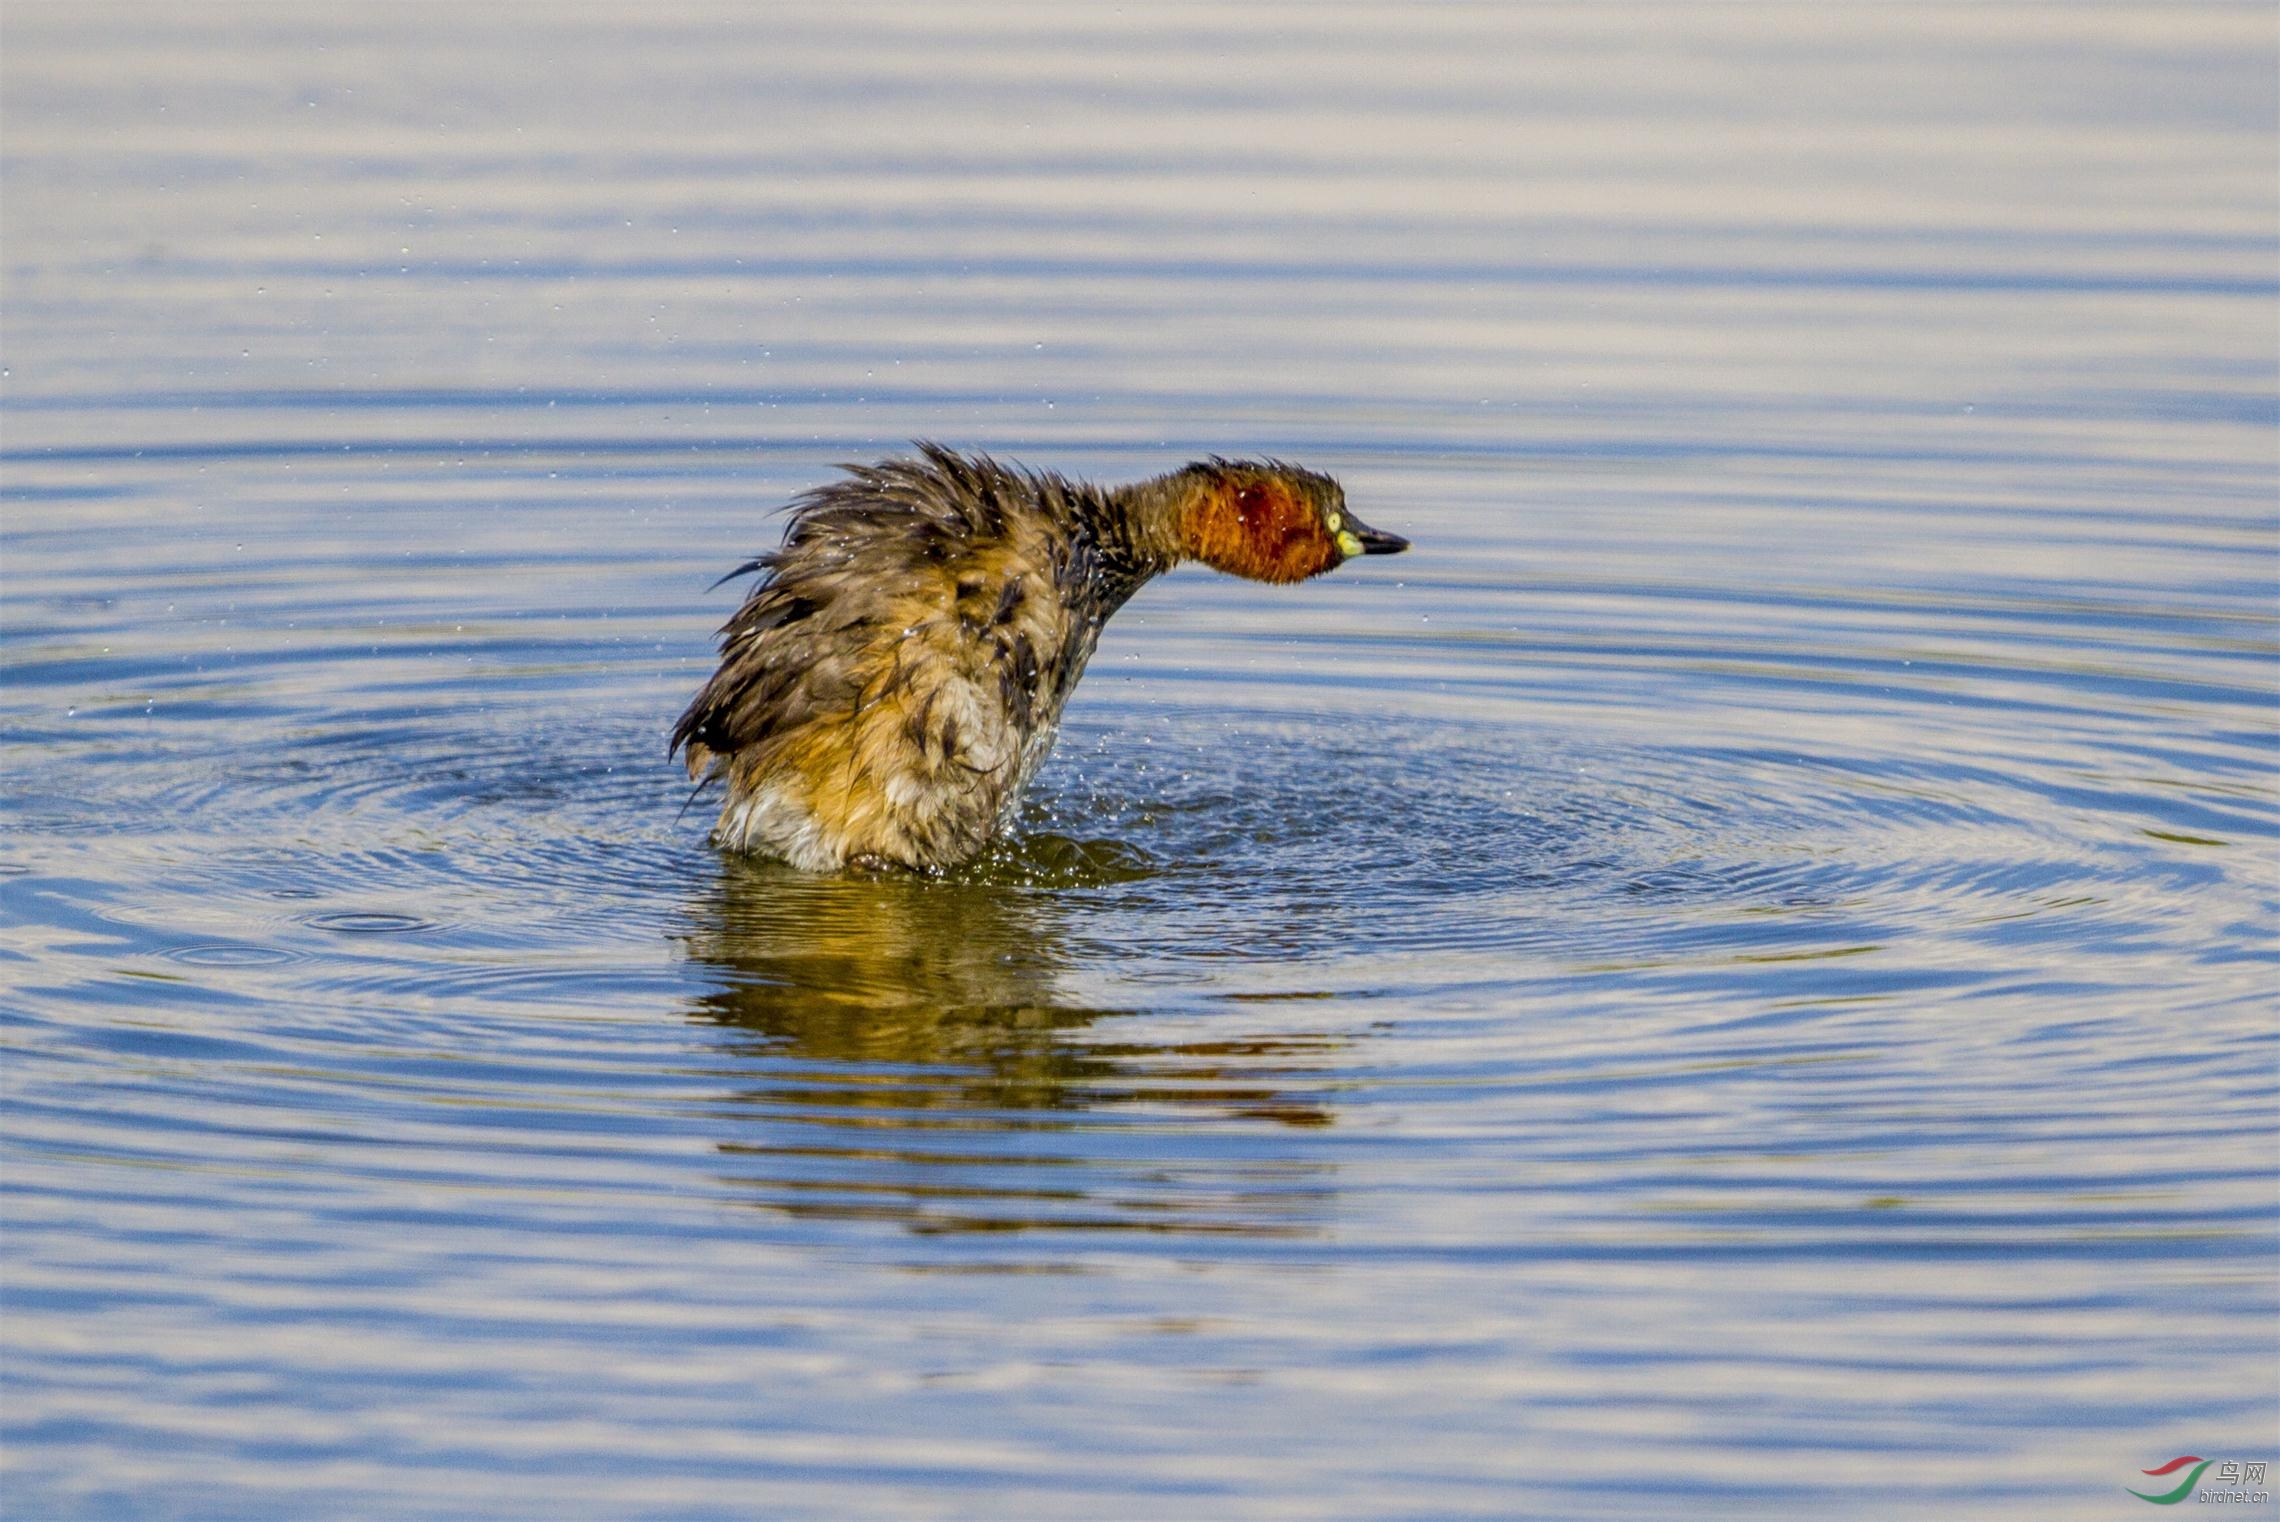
pixel 1334 522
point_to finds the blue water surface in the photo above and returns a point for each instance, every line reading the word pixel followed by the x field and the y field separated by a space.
pixel 1736 979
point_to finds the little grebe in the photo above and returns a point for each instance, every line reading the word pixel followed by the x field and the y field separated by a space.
pixel 898 673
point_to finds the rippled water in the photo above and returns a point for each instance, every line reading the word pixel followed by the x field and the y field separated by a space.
pixel 1736 979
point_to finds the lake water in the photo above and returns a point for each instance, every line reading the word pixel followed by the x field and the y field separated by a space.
pixel 1737 979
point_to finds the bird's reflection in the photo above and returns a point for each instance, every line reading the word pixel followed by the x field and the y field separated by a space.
pixel 911 1056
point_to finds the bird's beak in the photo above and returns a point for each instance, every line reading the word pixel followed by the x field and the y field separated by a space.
pixel 1359 539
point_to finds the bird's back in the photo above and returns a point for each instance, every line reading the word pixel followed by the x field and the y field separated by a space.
pixel 888 688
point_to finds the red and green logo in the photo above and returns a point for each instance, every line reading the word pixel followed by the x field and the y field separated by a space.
pixel 2184 1489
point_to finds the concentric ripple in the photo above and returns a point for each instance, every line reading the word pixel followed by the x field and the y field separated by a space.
pixel 1733 980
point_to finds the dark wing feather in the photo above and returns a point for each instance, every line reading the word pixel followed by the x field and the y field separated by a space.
pixel 855 552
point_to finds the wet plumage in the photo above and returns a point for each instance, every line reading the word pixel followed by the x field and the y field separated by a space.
pixel 899 671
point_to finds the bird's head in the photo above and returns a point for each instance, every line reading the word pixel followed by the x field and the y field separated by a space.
pixel 1274 522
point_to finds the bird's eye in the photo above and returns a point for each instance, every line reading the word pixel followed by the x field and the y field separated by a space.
pixel 1334 522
